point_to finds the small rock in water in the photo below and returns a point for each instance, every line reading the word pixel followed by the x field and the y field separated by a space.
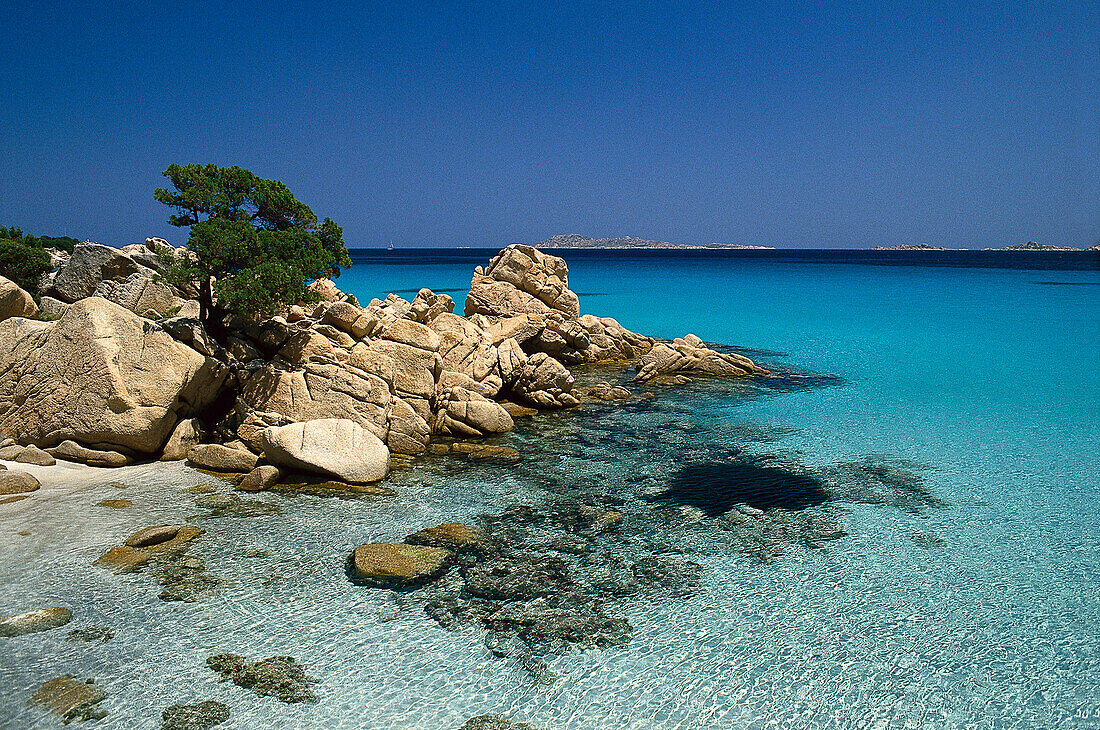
pixel 260 478
pixel 153 535
pixel 195 717
pixel 115 503
pixel 281 677
pixel 71 699
pixel 43 619
pixel 203 488
pixel 387 565
pixel 92 633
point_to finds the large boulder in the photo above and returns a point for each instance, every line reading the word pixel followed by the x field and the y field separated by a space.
pixel 14 302
pixel 334 446
pixel 216 457
pixel 89 266
pixel 101 376
pixel 320 391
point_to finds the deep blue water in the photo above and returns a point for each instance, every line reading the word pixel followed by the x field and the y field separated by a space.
pixel 954 395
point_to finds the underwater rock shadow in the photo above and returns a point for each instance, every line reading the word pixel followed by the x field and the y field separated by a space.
pixel 716 487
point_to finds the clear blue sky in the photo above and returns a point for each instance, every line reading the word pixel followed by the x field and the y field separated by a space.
pixel 786 124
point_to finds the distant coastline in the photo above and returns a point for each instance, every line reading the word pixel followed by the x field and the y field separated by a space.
pixel 575 241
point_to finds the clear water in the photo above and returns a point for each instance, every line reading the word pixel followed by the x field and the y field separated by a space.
pixel 982 612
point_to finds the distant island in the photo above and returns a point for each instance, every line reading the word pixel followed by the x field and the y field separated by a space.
pixel 575 240
pixel 910 247
pixel 1033 246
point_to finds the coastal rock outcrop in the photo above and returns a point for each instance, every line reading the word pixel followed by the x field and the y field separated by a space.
pixel 524 294
pixel 14 302
pixel 334 446
pixel 690 355
pixel 100 376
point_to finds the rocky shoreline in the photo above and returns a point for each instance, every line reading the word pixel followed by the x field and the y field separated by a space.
pixel 120 369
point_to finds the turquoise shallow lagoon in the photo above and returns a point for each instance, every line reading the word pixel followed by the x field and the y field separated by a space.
pixel 972 375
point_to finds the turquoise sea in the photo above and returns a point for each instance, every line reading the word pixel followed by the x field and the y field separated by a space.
pixel 948 402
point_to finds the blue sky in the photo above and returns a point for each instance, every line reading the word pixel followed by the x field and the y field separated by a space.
pixel 792 125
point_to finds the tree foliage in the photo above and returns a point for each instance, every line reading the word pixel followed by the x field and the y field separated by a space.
pixel 23 257
pixel 254 246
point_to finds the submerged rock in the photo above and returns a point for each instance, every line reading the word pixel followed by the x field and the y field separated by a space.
pixel 456 537
pixel 388 565
pixel 230 505
pixel 281 677
pixel 477 451
pixel 201 716
pixel 71 699
pixel 130 559
pixel 495 722
pixel 184 579
pixel 91 633
pixel 115 503
pixel 43 619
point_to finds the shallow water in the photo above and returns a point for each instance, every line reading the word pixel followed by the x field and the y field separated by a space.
pixel 943 417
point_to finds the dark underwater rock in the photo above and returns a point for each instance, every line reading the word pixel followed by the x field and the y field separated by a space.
pixel 230 505
pixel 884 480
pixel 281 677
pixel 680 577
pixel 495 722
pixel 91 633
pixel 185 579
pixel 70 699
pixel 202 716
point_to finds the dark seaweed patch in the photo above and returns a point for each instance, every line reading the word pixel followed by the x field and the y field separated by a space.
pixel 716 487
pixel 794 381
